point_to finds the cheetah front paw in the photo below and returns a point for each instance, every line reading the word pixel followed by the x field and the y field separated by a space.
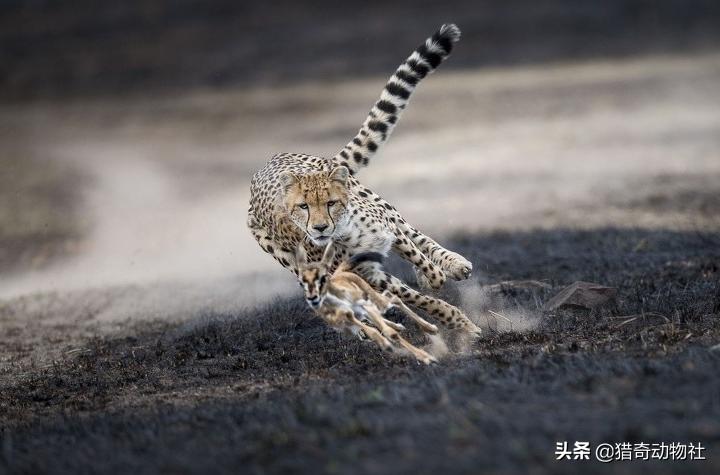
pixel 456 266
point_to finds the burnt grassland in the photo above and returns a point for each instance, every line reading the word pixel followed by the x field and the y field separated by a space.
pixel 272 390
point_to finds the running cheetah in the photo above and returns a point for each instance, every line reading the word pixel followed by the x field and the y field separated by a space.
pixel 303 199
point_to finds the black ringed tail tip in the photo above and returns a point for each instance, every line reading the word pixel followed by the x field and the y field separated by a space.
pixel 384 114
pixel 450 31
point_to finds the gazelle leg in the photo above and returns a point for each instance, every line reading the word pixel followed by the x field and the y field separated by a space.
pixel 385 301
pixel 449 315
pixel 397 339
pixel 371 332
pixel 426 326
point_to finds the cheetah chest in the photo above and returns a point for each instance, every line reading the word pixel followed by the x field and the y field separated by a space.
pixel 363 233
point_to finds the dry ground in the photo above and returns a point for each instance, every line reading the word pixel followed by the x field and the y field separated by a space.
pixel 273 390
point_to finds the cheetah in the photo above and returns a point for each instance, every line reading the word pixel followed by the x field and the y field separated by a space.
pixel 350 305
pixel 304 199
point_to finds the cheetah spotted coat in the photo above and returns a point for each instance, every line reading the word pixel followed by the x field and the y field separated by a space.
pixel 366 221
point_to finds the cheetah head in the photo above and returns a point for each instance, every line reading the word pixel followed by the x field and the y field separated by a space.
pixel 317 203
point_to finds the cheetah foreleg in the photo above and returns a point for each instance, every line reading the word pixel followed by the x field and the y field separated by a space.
pixel 285 257
pixel 433 276
pixel 455 266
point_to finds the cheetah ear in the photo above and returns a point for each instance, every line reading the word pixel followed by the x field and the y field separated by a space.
pixel 328 254
pixel 300 255
pixel 340 174
pixel 287 179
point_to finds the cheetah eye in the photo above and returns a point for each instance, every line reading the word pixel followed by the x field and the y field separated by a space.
pixel 303 206
pixel 323 279
pixel 331 204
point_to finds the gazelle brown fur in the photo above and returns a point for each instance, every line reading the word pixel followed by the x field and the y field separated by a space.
pixel 346 302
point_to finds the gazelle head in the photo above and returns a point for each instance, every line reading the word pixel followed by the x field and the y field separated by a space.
pixel 314 277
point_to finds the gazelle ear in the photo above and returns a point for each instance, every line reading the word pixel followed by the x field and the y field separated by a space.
pixel 339 174
pixel 287 179
pixel 300 255
pixel 328 254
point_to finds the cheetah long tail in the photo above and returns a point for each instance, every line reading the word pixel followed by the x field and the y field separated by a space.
pixel 383 116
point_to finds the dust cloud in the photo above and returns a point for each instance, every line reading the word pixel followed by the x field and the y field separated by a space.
pixel 494 312
pixel 490 310
pixel 179 251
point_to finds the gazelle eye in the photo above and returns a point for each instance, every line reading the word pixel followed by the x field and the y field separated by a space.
pixel 331 204
pixel 303 206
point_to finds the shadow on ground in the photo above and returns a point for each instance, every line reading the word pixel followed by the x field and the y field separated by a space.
pixel 272 390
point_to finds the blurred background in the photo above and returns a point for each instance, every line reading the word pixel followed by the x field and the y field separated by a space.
pixel 129 130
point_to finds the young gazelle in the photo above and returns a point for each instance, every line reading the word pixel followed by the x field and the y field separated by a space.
pixel 350 305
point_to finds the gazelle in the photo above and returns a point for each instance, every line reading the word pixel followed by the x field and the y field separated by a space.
pixel 349 304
